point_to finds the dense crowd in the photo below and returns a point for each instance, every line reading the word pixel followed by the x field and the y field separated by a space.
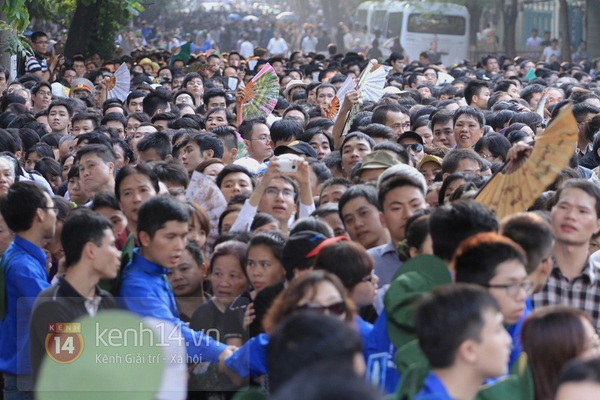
pixel 294 257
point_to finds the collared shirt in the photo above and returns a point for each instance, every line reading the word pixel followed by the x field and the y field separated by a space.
pixel 387 262
pixel 145 290
pixel 581 292
pixel 36 63
pixel 61 303
pixel 26 277
pixel 433 389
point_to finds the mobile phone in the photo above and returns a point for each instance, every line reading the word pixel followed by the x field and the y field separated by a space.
pixel 288 166
pixel 232 82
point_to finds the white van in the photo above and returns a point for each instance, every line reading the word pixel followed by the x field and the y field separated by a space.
pixel 418 25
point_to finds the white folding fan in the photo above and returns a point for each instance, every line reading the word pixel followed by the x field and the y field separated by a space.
pixel 118 85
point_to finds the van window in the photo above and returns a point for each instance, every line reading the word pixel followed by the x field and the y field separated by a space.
pixel 437 24
pixel 394 26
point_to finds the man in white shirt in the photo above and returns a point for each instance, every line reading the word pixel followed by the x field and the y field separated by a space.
pixel 277 45
pixel 534 45
pixel 246 48
pixel 309 43
pixel 552 52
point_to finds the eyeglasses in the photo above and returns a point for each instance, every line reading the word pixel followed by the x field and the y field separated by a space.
pixel 416 147
pixel 369 278
pixel 264 139
pixel 274 192
pixel 595 342
pixel 335 308
pixel 513 289
pixel 131 129
pixel 430 75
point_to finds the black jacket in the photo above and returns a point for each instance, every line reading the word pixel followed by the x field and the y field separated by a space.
pixel 58 303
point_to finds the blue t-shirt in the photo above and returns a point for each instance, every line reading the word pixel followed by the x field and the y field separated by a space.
pixel 515 332
pixel 379 354
pixel 433 389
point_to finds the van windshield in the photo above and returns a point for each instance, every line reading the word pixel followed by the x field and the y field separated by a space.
pixel 437 24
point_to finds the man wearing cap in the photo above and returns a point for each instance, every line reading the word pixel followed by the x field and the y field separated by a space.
pixel 430 166
pixel 277 45
pixel 413 143
pixel 82 88
pixel 373 165
pixel 292 86
pixel 297 147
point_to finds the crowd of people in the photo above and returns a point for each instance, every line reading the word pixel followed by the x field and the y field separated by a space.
pixel 294 258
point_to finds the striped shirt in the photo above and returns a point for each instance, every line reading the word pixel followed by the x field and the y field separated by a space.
pixel 581 292
pixel 36 63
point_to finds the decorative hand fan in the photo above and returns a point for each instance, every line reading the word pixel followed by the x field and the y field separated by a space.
pixel 260 95
pixel 196 67
pixel 118 84
pixel 370 87
pixel 509 193
pixel 338 100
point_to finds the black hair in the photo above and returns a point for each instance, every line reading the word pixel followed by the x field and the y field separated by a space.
pixel 19 205
pixel 285 130
pixel 213 92
pixel 451 223
pixel 451 161
pixel 580 371
pixel 394 182
pixel 158 141
pixel 311 224
pixel 533 233
pixel 206 141
pixel 473 88
pixel 105 199
pixel 496 143
pixel 261 219
pixel 303 340
pixel 296 107
pixel 380 112
pixel 157 211
pixel 232 169
pixel 529 90
pixel 63 103
pixel 171 171
pixel 320 170
pixel 48 166
pixel 157 100
pixel 81 227
pixel 472 112
pixel 584 185
pixel 246 127
pixel 476 259
pixel 135 94
pixel 368 192
pixel 128 170
pixel 449 315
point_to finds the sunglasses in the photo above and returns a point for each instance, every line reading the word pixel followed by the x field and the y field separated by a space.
pixel 335 308
pixel 416 147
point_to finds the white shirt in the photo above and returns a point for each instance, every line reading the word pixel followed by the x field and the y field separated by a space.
pixel 309 44
pixel 551 55
pixel 277 46
pixel 246 49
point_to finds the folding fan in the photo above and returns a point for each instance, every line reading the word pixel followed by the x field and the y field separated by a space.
pixel 260 95
pixel 370 87
pixel 118 84
pixel 338 100
pixel 511 192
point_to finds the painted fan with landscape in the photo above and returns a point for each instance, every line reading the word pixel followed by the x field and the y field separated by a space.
pixel 118 84
pixel 260 95
pixel 515 188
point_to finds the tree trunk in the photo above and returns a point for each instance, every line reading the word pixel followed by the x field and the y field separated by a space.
pixel 510 27
pixel 565 34
pixel 81 25
pixel 475 12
